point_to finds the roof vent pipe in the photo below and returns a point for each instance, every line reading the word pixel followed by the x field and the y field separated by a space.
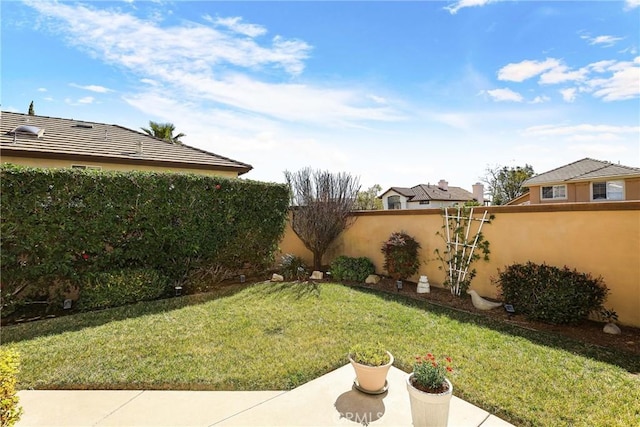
pixel 139 150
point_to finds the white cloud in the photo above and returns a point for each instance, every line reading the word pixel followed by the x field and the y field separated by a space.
pixel 505 94
pixel 607 41
pixel 204 64
pixel 235 24
pixel 81 101
pixel 132 42
pixel 92 88
pixel 540 99
pixel 569 94
pixel 42 89
pixel 609 80
pixel 623 84
pixel 573 131
pixel 631 4
pixel 561 74
pixel 518 72
pixel 460 4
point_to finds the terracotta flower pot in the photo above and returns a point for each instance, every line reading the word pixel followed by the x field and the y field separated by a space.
pixel 429 409
pixel 372 379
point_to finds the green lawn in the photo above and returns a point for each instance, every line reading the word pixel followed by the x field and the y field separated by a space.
pixel 278 336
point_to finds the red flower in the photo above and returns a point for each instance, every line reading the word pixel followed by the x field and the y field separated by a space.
pixel 218 186
pixel 85 257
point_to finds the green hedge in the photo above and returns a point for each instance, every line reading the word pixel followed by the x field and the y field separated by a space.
pixel 551 294
pixel 347 268
pixel 61 224
pixel 10 412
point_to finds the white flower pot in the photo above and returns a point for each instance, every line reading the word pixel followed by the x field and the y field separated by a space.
pixel 429 409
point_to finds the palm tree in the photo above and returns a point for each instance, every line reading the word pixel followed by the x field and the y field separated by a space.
pixel 163 131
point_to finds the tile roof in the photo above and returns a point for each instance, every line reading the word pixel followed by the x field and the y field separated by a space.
pixel 68 138
pixel 585 169
pixel 433 192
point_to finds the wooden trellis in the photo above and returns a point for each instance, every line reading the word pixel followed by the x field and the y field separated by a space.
pixel 460 251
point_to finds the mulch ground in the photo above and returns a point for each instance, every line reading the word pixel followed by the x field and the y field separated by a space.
pixel 587 331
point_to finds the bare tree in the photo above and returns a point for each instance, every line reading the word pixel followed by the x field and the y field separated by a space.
pixel 322 203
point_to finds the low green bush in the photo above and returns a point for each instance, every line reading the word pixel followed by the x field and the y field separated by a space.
pixel 551 294
pixel 292 267
pixel 120 287
pixel 9 367
pixel 347 268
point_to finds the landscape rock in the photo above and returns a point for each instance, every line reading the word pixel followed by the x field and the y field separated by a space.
pixel 612 328
pixel 277 278
pixel 372 279
pixel 316 275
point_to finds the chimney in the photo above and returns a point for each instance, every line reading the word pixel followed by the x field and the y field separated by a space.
pixel 478 192
pixel 444 185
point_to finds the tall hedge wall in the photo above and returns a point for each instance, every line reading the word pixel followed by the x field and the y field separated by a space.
pixel 60 224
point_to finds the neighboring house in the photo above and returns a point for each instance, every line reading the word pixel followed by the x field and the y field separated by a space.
pixel 430 196
pixel 51 142
pixel 585 180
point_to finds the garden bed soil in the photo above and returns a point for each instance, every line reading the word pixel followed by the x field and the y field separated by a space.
pixel 587 331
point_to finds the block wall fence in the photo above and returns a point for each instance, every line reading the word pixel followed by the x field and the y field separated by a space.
pixel 598 238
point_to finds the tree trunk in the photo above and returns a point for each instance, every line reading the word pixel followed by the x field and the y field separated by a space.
pixel 317 260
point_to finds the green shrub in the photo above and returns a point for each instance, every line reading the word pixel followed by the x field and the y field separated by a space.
pixel 347 268
pixel 116 288
pixel 401 255
pixel 369 354
pixel 292 267
pixel 551 294
pixel 9 367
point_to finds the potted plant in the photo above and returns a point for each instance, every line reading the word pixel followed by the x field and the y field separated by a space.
pixel 371 363
pixel 430 391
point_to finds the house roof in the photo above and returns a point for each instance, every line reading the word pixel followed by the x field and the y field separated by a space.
pixel 423 192
pixel 52 137
pixel 583 170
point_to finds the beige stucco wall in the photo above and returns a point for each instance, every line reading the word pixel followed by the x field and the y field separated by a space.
pixel 601 239
pixel 54 163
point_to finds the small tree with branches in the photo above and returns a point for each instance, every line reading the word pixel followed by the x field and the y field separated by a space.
pixel 322 203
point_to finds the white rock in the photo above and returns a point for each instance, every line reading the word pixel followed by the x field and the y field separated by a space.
pixel 372 279
pixel 317 275
pixel 481 303
pixel 423 285
pixel 612 328
pixel 277 278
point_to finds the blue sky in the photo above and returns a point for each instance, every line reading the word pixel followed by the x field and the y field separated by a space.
pixel 396 93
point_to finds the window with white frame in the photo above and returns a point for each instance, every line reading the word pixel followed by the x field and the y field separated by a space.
pixel 551 192
pixel 607 190
pixel 393 202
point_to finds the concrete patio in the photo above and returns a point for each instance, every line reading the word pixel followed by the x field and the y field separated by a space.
pixel 330 400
